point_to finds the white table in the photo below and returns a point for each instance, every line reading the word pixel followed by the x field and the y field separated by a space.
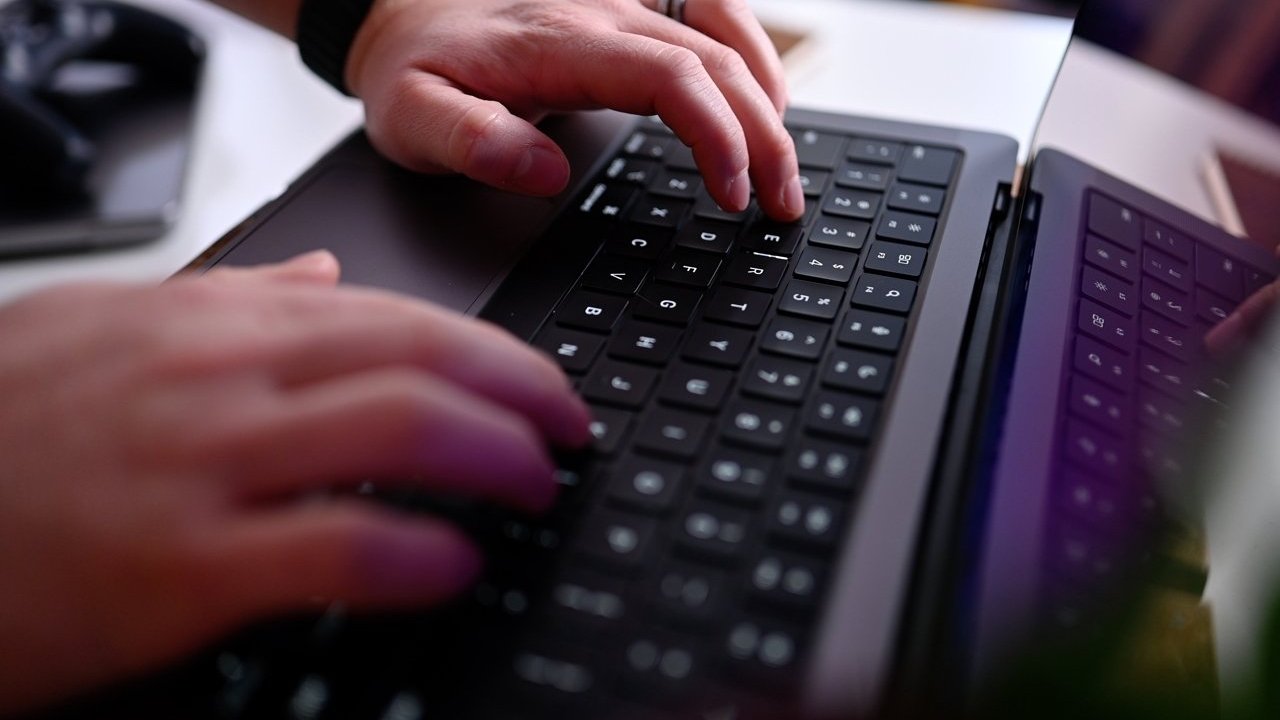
pixel 264 118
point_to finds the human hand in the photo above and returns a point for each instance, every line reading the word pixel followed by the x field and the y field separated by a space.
pixel 158 446
pixel 456 85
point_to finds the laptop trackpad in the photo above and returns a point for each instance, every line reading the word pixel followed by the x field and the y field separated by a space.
pixel 441 238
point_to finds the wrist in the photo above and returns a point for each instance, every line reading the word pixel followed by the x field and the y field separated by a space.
pixel 326 31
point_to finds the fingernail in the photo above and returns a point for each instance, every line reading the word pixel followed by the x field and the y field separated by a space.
pixel 540 172
pixel 739 192
pixel 793 197
pixel 314 261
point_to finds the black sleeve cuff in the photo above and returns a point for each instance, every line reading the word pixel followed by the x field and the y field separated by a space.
pixel 326 30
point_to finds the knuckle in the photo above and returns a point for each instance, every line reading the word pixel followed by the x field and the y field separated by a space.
pixel 682 65
pixel 471 130
pixel 727 63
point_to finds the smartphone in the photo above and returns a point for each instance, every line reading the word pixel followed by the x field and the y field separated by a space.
pixel 141 133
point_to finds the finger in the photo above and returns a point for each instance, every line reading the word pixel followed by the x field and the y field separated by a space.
pixel 429 124
pixel 318 267
pixel 732 23
pixel 400 425
pixel 639 74
pixel 358 330
pixel 774 168
pixel 284 561
pixel 1244 322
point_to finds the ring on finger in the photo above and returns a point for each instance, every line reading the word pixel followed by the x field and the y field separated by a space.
pixel 673 9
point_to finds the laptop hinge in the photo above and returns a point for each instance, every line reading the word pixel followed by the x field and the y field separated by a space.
pixel 928 672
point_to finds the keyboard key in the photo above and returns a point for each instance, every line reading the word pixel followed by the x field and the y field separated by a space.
pixel 645 485
pixel 737 306
pixel 559 676
pixel 1182 343
pixel 573 351
pixel 735 475
pixel 1103 363
pixel 616 383
pixel 756 424
pixel 1212 308
pixel 707 235
pixel 786 581
pixel 819 150
pixel 1219 273
pixel 1111 257
pixel 1099 405
pixel 689 268
pixel 587 597
pixel 863 176
pixel 659 211
pixel 615 540
pixel 1110 291
pixel 851 204
pixel 695 387
pixel 692 596
pixel 772 238
pixel 707 209
pixel 1114 222
pixel 672 433
pixel 824 465
pixel 605 201
pixel 644 242
pixel 847 417
pixel 1176 244
pixel 718 345
pixel 928 165
pixel 876 151
pixel 1160 412
pixel 1094 450
pixel 615 274
pixel 917 198
pixel 1163 299
pixel 807 520
pixel 756 272
pixel 676 184
pixel 1255 280
pixel 609 427
pixel 1107 325
pixel 1166 268
pixel 644 342
pixel 825 265
pixel 906 227
pixel 680 157
pixel 634 171
pixel 772 378
pixel 812 300
pixel 590 311
pixel 1163 372
pixel 896 259
pixel 763 654
pixel 858 371
pixel 666 303
pixel 840 233
pixel 871 330
pixel 814 182
pixel 715 531
pixel 885 293
pixel 795 338
pixel 661 668
pixel 650 145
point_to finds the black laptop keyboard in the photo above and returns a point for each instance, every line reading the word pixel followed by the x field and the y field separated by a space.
pixel 1141 387
pixel 737 369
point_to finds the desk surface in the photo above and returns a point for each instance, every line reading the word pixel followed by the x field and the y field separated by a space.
pixel 264 118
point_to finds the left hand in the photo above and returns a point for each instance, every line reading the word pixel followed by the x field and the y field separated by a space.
pixel 456 85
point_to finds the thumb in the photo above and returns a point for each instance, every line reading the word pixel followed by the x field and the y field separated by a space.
pixel 427 124
pixel 318 267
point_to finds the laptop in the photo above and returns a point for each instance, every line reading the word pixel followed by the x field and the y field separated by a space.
pixel 841 463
